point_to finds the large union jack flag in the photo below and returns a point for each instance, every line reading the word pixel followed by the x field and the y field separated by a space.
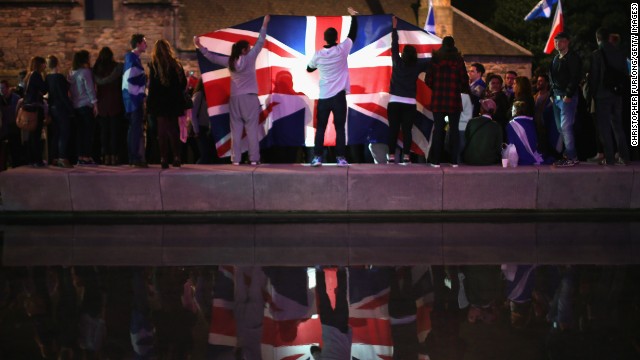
pixel 289 94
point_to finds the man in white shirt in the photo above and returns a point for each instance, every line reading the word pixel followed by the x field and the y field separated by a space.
pixel 334 86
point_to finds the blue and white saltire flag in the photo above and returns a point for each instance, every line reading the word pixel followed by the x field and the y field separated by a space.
pixel 288 93
pixel 430 23
pixel 541 10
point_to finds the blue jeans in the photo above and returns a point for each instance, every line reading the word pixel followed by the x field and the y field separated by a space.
pixel 565 115
pixel 134 136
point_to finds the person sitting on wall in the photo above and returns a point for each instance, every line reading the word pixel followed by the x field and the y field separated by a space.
pixel 483 137
pixel 521 131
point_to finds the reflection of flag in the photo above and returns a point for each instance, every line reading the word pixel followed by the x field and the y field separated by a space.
pixel 289 94
pixel 556 27
pixel 368 313
pixel 290 323
pixel 222 333
pixel 541 10
pixel 430 23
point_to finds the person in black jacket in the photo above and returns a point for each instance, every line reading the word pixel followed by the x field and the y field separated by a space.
pixel 402 100
pixel 565 75
pixel 608 62
pixel 61 111
pixel 166 101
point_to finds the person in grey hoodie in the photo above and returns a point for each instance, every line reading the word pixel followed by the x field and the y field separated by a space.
pixel 244 105
pixel 85 105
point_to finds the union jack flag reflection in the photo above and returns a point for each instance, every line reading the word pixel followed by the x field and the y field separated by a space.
pixel 289 94
pixel 291 306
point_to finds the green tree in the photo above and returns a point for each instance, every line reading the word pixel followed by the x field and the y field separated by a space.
pixel 581 19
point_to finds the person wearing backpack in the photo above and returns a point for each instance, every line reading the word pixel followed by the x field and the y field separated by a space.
pixel 606 85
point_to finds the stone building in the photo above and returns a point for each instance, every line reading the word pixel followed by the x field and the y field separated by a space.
pixel 62 27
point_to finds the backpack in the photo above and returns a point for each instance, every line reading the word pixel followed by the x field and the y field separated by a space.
pixel 613 79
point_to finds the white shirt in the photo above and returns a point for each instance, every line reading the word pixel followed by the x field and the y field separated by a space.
pixel 467 112
pixel 334 68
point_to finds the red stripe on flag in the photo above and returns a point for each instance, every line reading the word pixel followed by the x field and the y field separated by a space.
pixel 291 332
pixel 231 37
pixel 374 108
pixel 371 331
pixel 217 91
pixel 370 80
pixel 224 148
pixel 556 27
pixel 322 24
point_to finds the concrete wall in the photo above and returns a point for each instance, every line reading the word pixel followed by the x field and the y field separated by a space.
pixel 286 188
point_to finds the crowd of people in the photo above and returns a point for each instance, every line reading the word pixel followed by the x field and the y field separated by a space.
pixel 115 113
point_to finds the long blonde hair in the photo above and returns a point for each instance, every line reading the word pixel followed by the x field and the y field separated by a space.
pixel 34 66
pixel 163 61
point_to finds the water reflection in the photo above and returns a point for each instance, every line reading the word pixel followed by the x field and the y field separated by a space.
pixel 275 312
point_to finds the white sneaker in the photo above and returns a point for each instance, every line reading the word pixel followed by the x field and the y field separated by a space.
pixel 316 161
pixel 254 163
pixel 454 165
pixel 236 163
pixel 342 161
pixel 434 165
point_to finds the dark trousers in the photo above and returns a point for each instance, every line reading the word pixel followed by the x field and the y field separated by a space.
pixel 134 136
pixel 400 115
pixel 338 317
pixel 205 145
pixel 85 128
pixel 34 143
pixel 338 106
pixel 168 134
pixel 60 133
pixel 609 116
pixel 438 136
pixel 109 134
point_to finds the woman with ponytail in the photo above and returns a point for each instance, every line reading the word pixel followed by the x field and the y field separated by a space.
pixel 244 105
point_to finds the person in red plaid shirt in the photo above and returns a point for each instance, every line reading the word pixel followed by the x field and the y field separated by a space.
pixel 447 77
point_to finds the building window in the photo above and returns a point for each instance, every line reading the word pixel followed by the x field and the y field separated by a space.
pixel 98 10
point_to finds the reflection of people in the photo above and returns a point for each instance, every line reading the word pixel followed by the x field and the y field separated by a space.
pixel 402 311
pixel 336 333
pixel 244 105
pixel 334 85
pixel 249 311
pixel 402 91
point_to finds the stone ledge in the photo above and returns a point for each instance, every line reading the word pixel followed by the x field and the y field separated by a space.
pixel 300 188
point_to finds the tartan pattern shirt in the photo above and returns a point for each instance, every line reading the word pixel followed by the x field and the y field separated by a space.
pixel 446 77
